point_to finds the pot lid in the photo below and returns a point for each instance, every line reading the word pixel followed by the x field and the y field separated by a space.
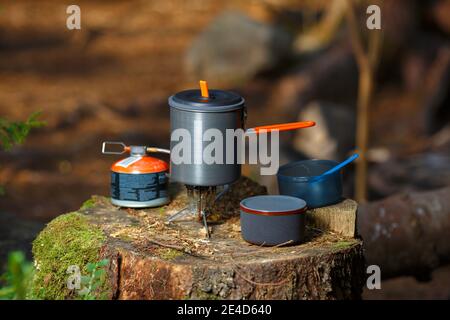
pixel 218 101
pixel 273 205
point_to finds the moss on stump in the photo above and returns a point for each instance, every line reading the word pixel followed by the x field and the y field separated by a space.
pixel 67 240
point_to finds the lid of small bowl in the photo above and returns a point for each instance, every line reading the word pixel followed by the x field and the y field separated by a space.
pixel 273 205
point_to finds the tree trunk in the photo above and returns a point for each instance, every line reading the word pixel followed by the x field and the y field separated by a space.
pixel 407 233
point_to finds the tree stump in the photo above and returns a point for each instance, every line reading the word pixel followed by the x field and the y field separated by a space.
pixel 151 259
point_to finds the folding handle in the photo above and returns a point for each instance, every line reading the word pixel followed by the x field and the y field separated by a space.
pixel 125 148
pixel 283 126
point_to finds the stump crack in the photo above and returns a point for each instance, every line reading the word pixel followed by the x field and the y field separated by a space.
pixel 116 294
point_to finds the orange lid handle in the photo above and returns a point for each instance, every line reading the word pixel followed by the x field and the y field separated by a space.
pixel 284 126
pixel 204 88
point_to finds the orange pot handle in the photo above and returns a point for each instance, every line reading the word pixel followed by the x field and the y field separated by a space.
pixel 283 126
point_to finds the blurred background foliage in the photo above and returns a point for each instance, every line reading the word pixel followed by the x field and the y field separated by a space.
pixel 17 278
pixel 13 133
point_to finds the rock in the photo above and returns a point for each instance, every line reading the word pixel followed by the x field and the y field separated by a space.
pixel 151 259
pixel 235 48
pixel 333 136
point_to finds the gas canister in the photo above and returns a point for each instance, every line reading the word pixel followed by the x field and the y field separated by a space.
pixel 138 181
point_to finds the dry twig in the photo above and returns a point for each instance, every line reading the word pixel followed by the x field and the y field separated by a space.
pixel 367 63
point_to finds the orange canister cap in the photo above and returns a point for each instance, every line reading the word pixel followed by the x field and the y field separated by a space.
pixel 140 164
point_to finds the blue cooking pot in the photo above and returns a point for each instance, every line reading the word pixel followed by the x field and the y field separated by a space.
pixel 300 179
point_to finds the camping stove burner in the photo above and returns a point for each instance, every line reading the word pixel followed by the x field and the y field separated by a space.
pixel 200 200
pixel 200 203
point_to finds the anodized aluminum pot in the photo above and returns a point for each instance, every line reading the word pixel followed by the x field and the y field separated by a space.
pixel 295 179
pixel 271 220
pixel 190 111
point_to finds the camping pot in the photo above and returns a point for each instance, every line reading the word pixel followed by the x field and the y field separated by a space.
pixel 195 113
pixel 273 220
pixel 297 179
pixel 192 113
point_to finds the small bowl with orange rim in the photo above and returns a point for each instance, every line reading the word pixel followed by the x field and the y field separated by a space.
pixel 273 220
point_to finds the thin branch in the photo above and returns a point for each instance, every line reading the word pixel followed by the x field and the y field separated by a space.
pixel 374 48
pixel 367 63
pixel 355 36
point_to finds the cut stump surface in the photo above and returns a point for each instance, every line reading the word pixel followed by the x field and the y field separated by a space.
pixel 151 259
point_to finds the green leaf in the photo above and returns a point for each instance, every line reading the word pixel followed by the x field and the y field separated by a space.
pixel 85 279
pixel 12 133
pixel 94 286
pixel 83 291
pixel 90 267
pixel 103 263
pixel 98 273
